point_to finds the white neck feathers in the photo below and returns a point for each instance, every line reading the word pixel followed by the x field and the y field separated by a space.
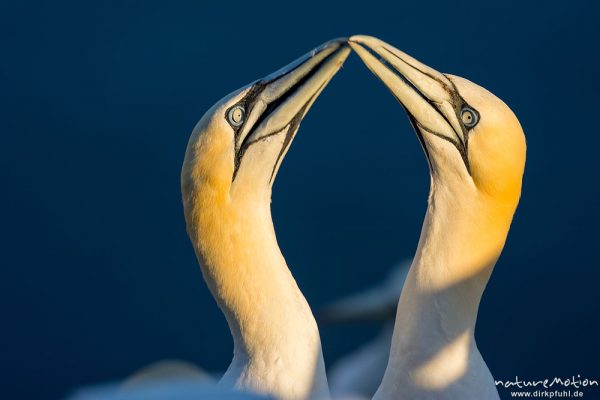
pixel 277 349
pixel 433 354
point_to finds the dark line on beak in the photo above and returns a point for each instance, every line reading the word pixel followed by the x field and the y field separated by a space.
pixel 444 84
pixel 294 125
pixel 274 105
pixel 459 147
pixel 415 124
pixel 453 93
pixel 433 104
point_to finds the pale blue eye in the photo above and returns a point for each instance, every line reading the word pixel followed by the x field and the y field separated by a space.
pixel 469 117
pixel 236 115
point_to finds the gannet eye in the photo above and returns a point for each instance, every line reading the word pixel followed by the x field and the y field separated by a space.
pixel 469 117
pixel 236 115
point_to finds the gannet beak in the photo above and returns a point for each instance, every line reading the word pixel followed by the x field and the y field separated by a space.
pixel 282 99
pixel 428 96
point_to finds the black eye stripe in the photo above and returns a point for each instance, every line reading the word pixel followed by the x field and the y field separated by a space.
pixel 247 103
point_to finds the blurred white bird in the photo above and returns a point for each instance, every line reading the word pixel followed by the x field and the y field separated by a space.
pixel 476 152
pixel 172 389
pixel 168 370
pixel 358 375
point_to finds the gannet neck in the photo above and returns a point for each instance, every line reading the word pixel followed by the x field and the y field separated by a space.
pixel 476 152
pixel 277 349
pixel 434 354
pixel 231 161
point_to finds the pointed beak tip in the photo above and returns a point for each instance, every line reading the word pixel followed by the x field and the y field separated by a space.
pixel 365 55
pixel 334 43
pixel 341 39
pixel 363 39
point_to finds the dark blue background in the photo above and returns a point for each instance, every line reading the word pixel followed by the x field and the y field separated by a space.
pixel 98 100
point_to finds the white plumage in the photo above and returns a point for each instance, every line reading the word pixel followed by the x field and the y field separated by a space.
pixel 476 152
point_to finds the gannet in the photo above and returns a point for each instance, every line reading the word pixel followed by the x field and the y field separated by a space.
pixel 357 375
pixel 475 148
pixel 230 164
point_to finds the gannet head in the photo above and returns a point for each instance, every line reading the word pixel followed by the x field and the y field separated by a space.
pixel 237 147
pixel 472 140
